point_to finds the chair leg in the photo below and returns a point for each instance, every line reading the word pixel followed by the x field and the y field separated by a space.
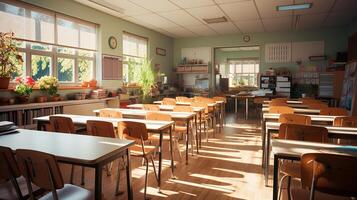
pixel 72 171
pixel 83 176
pixel 206 131
pixel 281 185
pixel 117 192
pixel 288 188
pixel 153 165
pixel 177 144
pixel 146 176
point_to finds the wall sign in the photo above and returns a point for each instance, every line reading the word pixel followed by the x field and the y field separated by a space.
pixel 160 51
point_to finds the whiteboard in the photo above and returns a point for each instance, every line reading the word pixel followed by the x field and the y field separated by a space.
pixel 301 51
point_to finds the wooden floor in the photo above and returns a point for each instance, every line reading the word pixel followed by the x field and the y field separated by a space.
pixel 228 167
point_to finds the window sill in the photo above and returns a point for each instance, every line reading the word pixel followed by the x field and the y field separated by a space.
pixel 62 87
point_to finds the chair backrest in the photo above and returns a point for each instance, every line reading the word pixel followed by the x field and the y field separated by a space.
pixel 183 99
pixel 110 113
pixel 317 106
pixel 295 119
pixel 100 128
pixel 62 124
pixel 333 111
pixel 303 133
pixel 183 109
pixel 204 99
pixel 329 173
pixel 158 116
pixel 349 121
pixel 200 104
pixel 168 101
pixel 133 130
pixel 151 107
pixel 279 100
pixel 40 168
pixel 278 103
pixel 8 165
pixel 219 98
pixel 260 100
pixel 281 109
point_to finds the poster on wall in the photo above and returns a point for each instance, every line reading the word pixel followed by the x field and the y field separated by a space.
pixel 348 86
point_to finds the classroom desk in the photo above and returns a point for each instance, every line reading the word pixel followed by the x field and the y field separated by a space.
pixel 292 105
pixel 94 152
pixel 288 102
pixel 246 97
pixel 176 116
pixel 293 150
pixel 333 132
pixel 151 125
pixel 298 110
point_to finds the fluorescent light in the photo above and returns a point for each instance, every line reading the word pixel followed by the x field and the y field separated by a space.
pixel 294 7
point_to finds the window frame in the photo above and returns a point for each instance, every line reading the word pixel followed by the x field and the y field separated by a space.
pixel 237 75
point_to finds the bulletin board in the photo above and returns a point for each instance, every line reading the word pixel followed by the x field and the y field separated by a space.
pixel 349 86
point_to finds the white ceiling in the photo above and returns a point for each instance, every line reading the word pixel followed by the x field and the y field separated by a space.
pixel 184 18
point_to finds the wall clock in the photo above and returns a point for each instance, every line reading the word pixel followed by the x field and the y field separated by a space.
pixel 246 38
pixel 112 42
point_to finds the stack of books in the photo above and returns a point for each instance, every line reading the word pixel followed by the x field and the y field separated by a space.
pixel 7 127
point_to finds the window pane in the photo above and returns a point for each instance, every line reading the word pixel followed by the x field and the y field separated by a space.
pixel 67 32
pixel 134 45
pixel 86 53
pixel 238 68
pixel 256 68
pixel 65 69
pixel 85 70
pixel 87 36
pixel 41 27
pixel 12 19
pixel 231 68
pixel 41 47
pixel 248 68
pixel 64 50
pixel 40 66
pixel 21 68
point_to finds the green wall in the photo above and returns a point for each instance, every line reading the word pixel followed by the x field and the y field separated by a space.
pixel 335 41
pixel 113 26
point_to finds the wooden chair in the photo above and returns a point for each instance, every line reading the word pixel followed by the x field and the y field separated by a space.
pixel 317 106
pixel 350 121
pixel 278 103
pixel 42 170
pixel 181 127
pixel 219 98
pixel 205 118
pixel 333 111
pixel 294 119
pixel 104 129
pixel 110 113
pixel 184 99
pixel 151 107
pixel 302 133
pixel 9 170
pixel 168 101
pixel 156 137
pixel 65 125
pixel 137 131
pixel 327 176
pixel 281 109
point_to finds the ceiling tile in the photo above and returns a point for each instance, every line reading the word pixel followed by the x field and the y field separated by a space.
pixel 251 26
pixel 345 6
pixel 158 6
pixel 180 32
pixel 224 28
pixel 192 3
pixel 155 20
pixel 277 24
pixel 318 6
pixel 340 18
pixel 238 11
pixel 228 1
pixel 310 21
pixel 108 9
pixel 181 17
pixel 127 7
pixel 267 8
pixel 202 30
pixel 206 12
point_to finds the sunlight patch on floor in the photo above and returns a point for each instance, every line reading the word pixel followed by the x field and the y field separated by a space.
pixel 204 186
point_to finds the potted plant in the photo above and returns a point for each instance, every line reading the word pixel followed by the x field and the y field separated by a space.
pixel 146 80
pixel 24 88
pixel 9 58
pixel 49 84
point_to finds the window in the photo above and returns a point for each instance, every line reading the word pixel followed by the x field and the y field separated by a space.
pixel 134 51
pixel 243 72
pixel 50 43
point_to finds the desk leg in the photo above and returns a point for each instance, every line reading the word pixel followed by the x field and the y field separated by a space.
pixel 263 142
pixel 39 125
pixel 275 180
pixel 246 108
pixel 160 160
pixel 200 129
pixel 98 182
pixel 236 105
pixel 128 175
pixel 187 138
pixel 171 153
pixel 267 158
pixel 196 134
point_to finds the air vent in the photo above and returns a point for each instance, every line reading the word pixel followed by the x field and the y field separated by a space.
pixel 215 20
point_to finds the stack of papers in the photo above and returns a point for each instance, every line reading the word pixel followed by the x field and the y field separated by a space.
pixel 7 127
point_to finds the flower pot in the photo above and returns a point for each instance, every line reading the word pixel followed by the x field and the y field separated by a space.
pixel 23 99
pixel 4 82
pixel 41 99
pixel 55 98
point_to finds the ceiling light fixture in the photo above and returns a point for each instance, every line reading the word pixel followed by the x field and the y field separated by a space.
pixel 294 7
pixel 108 6
pixel 215 20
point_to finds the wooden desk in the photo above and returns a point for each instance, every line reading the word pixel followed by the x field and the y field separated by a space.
pixel 246 97
pixel 298 110
pixel 293 150
pixel 153 126
pixel 176 116
pixel 288 102
pixel 290 105
pixel 94 152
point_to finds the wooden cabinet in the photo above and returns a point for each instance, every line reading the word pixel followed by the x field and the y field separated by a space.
pixel 112 67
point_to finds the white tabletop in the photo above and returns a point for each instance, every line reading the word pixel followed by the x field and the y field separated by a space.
pixel 164 107
pixel 74 148
pixel 288 101
pixel 82 120
pixel 298 110
pixel 142 113
pixel 321 118
pixel 290 105
pixel 188 103
pixel 296 148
